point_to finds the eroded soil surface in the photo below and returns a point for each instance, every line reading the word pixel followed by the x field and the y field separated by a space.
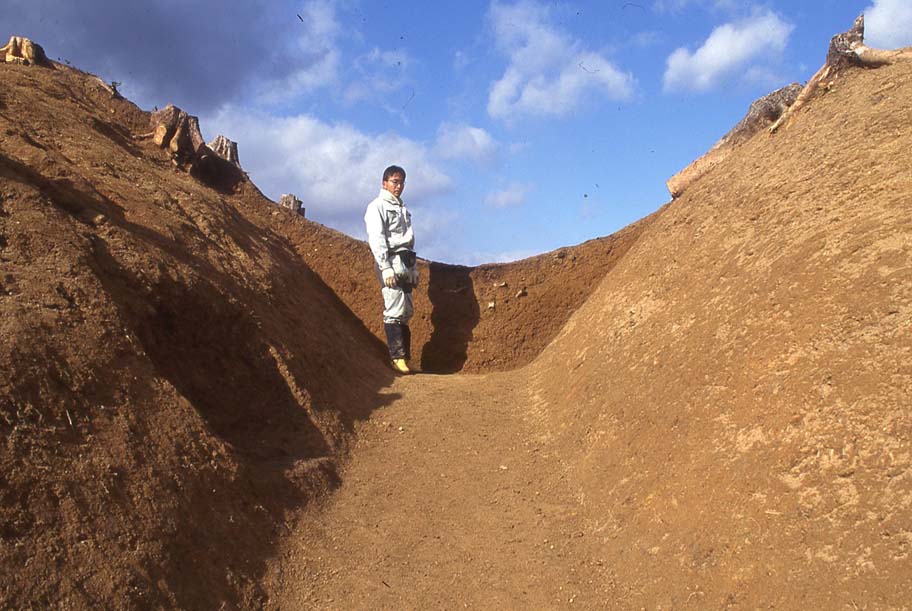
pixel 707 409
pixel 450 501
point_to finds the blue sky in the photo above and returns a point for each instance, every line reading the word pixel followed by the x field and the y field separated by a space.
pixel 524 126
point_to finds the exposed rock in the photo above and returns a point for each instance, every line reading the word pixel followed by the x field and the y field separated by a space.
pixel 179 132
pixel 21 50
pixel 290 201
pixel 110 88
pixel 226 149
pixel 846 50
pixel 761 114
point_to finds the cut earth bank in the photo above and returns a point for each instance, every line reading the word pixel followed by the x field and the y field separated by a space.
pixel 723 423
pixel 715 415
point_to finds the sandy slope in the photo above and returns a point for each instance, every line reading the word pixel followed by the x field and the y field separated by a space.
pixel 164 400
pixel 450 501
pixel 181 370
pixel 722 421
pixel 737 392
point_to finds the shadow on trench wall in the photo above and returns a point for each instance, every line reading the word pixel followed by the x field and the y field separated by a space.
pixel 454 314
pixel 236 361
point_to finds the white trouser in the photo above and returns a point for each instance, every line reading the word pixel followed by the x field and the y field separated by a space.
pixel 397 305
pixel 397 302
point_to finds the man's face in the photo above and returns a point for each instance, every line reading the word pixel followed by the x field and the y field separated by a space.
pixel 395 184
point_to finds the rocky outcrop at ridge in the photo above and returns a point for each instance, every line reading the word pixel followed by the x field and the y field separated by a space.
pixel 20 50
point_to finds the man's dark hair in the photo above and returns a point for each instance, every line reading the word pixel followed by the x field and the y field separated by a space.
pixel 393 169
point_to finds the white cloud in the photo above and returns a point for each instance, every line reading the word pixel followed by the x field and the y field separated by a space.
pixel 730 49
pixel 378 74
pixel 888 24
pixel 197 55
pixel 507 256
pixel 316 41
pixel 334 169
pixel 513 195
pixel 549 73
pixel 460 141
pixel 438 234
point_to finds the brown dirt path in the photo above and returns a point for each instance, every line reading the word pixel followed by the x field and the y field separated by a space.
pixel 450 501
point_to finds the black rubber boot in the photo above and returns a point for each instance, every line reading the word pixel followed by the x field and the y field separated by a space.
pixel 406 341
pixel 394 340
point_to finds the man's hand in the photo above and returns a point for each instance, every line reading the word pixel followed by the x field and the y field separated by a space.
pixel 389 278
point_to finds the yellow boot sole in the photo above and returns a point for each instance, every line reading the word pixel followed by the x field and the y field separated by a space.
pixel 401 366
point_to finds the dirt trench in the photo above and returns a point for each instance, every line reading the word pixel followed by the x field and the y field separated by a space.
pixel 451 500
pixel 177 375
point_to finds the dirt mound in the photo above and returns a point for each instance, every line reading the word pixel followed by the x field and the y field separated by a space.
pixel 723 419
pixel 174 379
pixel 469 319
pixel 734 397
pixel 177 357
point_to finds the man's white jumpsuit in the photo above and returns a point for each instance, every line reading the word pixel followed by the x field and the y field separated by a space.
pixel 391 239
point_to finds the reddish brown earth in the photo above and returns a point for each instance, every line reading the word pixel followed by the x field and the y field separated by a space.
pixel 709 409
pixel 470 319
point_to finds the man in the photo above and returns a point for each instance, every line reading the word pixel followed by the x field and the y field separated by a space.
pixel 389 233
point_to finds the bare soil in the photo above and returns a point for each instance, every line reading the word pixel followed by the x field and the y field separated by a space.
pixel 467 319
pixel 708 409
pixel 450 501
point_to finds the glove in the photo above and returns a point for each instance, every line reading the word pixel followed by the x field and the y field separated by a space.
pixel 414 276
pixel 389 278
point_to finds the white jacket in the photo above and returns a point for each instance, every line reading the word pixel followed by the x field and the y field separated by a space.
pixel 389 227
